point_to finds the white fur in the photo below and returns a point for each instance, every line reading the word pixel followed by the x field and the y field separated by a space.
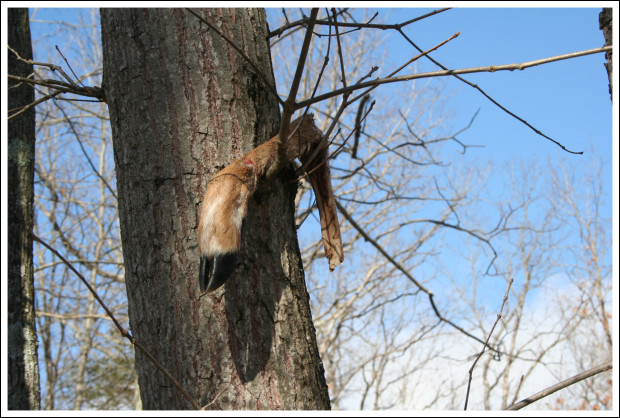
pixel 209 243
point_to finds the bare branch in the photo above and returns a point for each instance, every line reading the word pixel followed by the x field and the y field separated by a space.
pixel 562 385
pixel 486 343
pixel 122 330
pixel 52 67
pixel 407 274
pixel 343 74
pixel 486 95
pixel 79 140
pixel 289 105
pixel 358 124
pixel 33 104
pixel 356 25
pixel 63 87
pixel 66 317
pixel 393 73
pixel 489 68
pixel 514 399
pixel 298 24
pixel 69 65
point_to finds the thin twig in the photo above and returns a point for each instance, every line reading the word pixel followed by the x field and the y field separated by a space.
pixel 562 385
pixel 63 87
pixel 298 24
pixel 374 243
pixel 396 264
pixel 289 105
pixel 367 25
pixel 486 343
pixel 361 121
pixel 343 74
pixel 483 92
pixel 489 68
pixel 358 124
pixel 472 233
pixel 52 67
pixel 514 399
pixel 325 62
pixel 33 104
pixel 355 29
pixel 69 65
pixel 433 13
pixel 214 399
pixel 122 330
pixel 417 57
pixel 79 140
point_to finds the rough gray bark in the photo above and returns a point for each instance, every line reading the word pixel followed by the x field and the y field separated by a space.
pixel 22 364
pixel 183 104
pixel 605 20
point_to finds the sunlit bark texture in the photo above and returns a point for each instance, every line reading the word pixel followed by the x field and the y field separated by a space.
pixel 22 365
pixel 183 104
pixel 605 20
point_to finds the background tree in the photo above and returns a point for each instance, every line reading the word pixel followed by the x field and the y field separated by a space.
pixel 606 25
pixel 85 363
pixel 587 302
pixel 23 366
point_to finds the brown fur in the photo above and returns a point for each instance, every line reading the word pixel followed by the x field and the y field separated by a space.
pixel 224 207
pixel 226 199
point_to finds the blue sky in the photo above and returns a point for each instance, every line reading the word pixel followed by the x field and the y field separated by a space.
pixel 567 100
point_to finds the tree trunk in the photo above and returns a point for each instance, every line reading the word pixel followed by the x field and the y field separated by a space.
pixel 23 366
pixel 605 22
pixel 183 104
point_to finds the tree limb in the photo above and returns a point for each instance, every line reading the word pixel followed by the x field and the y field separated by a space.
pixel 562 385
pixel 443 73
